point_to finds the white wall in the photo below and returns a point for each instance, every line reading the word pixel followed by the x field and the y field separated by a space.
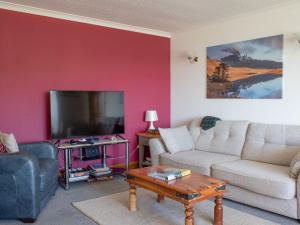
pixel 188 81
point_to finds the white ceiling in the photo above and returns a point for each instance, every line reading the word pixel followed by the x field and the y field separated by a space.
pixel 165 15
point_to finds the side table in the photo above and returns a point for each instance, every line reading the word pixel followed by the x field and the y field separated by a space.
pixel 143 140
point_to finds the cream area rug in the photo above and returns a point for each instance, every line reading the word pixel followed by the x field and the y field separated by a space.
pixel 113 210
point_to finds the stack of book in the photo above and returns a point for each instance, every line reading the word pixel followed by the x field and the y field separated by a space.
pixel 78 172
pixel 168 174
pixel 98 170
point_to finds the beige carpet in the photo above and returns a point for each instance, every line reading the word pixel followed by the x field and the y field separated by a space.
pixel 113 210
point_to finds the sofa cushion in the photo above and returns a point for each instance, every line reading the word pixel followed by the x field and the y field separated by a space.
pixel 227 137
pixel 177 139
pixel 196 122
pixel 262 178
pixel 275 144
pixel 48 171
pixel 198 161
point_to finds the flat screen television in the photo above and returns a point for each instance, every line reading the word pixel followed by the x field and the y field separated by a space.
pixel 86 113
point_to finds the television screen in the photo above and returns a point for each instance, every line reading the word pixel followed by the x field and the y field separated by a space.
pixel 86 113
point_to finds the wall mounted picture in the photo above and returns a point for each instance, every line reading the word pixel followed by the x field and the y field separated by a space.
pixel 248 69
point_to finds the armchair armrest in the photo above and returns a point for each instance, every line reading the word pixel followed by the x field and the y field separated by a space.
pixel 42 150
pixel 19 186
pixel 156 148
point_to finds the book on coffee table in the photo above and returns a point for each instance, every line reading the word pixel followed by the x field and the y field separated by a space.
pixel 169 173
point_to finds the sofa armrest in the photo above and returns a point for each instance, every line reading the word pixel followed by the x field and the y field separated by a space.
pixel 156 148
pixel 19 186
pixel 42 150
pixel 298 194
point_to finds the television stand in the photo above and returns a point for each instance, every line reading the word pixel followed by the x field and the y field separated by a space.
pixel 67 148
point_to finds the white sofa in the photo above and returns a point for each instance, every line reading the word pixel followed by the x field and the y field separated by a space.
pixel 254 158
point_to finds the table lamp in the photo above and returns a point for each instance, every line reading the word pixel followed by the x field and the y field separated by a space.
pixel 151 116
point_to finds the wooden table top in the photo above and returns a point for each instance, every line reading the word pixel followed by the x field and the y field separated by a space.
pixel 148 135
pixel 194 183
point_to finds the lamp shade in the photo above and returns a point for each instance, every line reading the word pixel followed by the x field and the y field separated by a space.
pixel 151 115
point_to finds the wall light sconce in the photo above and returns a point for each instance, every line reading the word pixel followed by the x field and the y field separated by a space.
pixel 297 37
pixel 193 59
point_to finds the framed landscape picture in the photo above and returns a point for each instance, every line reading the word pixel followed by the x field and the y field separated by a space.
pixel 248 69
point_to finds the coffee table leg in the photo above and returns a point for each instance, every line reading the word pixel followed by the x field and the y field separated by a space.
pixel 189 215
pixel 160 197
pixel 132 198
pixel 218 210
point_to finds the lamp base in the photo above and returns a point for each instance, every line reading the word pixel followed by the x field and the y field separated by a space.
pixel 151 127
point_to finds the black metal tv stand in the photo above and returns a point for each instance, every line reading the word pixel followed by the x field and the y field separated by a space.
pixel 67 148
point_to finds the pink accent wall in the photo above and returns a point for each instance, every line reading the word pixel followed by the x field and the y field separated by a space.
pixel 38 54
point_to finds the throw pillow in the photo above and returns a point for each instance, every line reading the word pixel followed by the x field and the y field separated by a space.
pixel 2 149
pixel 177 139
pixel 295 166
pixel 9 141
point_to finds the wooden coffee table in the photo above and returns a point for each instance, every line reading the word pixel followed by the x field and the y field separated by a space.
pixel 187 190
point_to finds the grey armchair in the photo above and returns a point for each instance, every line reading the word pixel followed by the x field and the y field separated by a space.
pixel 28 180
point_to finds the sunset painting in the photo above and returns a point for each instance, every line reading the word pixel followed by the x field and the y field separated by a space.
pixel 247 70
